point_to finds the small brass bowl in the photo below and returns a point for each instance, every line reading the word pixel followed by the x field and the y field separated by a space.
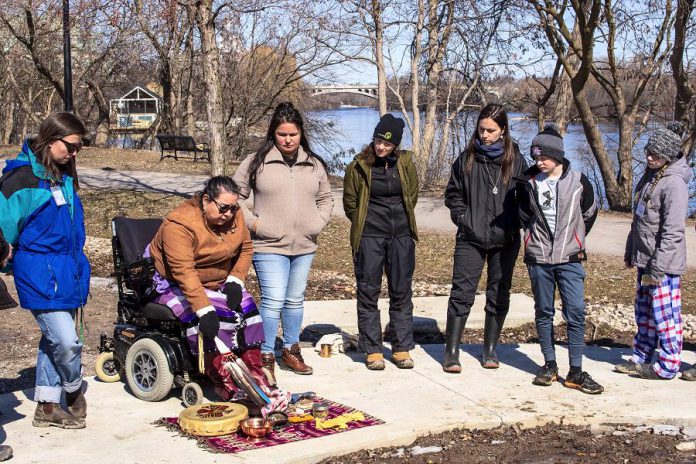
pixel 256 427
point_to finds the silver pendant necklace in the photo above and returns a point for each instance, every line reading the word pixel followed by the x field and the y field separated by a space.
pixel 490 178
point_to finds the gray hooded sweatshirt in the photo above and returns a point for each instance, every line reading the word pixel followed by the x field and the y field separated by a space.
pixel 657 241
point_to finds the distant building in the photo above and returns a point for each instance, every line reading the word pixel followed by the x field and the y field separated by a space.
pixel 137 109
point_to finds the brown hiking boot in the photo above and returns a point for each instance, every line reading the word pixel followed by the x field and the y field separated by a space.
pixel 291 360
pixel 402 360
pixel 268 366
pixel 77 405
pixel 375 362
pixel 51 414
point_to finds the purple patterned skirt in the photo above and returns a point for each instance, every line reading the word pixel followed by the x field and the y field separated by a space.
pixel 239 330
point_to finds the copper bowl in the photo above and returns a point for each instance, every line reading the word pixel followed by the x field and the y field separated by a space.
pixel 256 427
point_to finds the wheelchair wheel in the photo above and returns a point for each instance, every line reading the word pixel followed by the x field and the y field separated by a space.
pixel 192 394
pixel 108 368
pixel 147 370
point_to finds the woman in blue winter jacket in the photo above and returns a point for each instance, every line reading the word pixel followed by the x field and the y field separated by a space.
pixel 41 217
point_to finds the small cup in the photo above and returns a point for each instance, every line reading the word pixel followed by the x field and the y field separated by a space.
pixel 325 350
pixel 320 411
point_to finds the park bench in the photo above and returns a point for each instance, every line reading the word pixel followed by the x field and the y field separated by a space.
pixel 182 143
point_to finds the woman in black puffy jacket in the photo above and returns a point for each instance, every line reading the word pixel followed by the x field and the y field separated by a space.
pixel 481 197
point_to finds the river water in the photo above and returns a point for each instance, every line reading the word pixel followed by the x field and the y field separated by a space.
pixel 352 130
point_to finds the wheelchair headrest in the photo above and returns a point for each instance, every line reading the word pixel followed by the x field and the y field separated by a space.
pixel 134 235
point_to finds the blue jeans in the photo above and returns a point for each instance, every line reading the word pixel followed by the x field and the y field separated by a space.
pixel 570 279
pixel 58 365
pixel 282 280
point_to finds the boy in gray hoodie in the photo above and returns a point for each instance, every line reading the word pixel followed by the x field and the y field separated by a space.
pixel 557 209
pixel 656 246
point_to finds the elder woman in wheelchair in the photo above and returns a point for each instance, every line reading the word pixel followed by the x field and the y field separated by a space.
pixel 201 254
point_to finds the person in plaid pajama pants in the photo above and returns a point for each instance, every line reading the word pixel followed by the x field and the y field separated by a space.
pixel 656 246
pixel 658 316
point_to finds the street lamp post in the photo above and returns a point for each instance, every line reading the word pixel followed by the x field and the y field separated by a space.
pixel 67 65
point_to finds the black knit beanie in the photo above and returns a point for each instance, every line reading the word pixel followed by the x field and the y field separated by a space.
pixel 549 143
pixel 389 129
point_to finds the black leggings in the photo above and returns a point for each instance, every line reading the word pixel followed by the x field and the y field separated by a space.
pixel 468 266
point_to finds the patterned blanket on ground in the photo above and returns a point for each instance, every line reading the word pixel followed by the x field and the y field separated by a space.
pixel 237 442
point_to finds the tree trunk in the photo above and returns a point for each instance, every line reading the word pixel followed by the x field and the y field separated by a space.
pixel 439 27
pixel 564 99
pixel 685 98
pixel 624 176
pixel 684 91
pixel 190 116
pixel 415 91
pixel 541 117
pixel 165 78
pixel 617 198
pixel 101 132
pixel 379 56
pixel 8 122
pixel 564 103
pixel 213 89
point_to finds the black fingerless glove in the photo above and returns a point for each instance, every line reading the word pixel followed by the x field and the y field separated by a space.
pixel 209 324
pixel 233 291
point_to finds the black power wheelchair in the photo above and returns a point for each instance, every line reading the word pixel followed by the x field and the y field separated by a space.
pixel 148 345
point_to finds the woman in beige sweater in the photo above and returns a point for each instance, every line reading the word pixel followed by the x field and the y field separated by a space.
pixel 289 202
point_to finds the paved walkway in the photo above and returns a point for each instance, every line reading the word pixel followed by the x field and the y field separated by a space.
pixel 412 403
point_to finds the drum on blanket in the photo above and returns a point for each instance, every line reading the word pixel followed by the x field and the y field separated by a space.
pixel 212 419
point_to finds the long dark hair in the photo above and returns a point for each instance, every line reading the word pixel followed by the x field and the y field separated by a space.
pixel 369 156
pixel 284 113
pixel 496 113
pixel 55 127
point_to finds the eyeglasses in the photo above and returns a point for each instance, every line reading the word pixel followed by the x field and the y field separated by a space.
pixel 72 147
pixel 225 208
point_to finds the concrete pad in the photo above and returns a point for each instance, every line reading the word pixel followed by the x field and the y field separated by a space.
pixel 411 402
pixel 429 314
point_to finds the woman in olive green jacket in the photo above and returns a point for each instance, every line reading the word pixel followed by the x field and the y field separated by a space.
pixel 380 190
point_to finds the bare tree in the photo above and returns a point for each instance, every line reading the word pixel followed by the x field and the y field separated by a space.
pixel 34 58
pixel 168 28
pixel 451 46
pixel 263 63
pixel 685 98
pixel 597 21
pixel 205 15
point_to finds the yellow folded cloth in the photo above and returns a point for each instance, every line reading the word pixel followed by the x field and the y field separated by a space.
pixel 339 422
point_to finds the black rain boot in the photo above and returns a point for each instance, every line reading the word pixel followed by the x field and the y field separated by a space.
pixel 491 334
pixel 453 336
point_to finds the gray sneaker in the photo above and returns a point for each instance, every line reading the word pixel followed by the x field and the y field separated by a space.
pixel 626 367
pixel 5 452
pixel 646 371
pixel 689 375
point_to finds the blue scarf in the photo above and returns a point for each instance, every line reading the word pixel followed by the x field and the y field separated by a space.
pixel 492 151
